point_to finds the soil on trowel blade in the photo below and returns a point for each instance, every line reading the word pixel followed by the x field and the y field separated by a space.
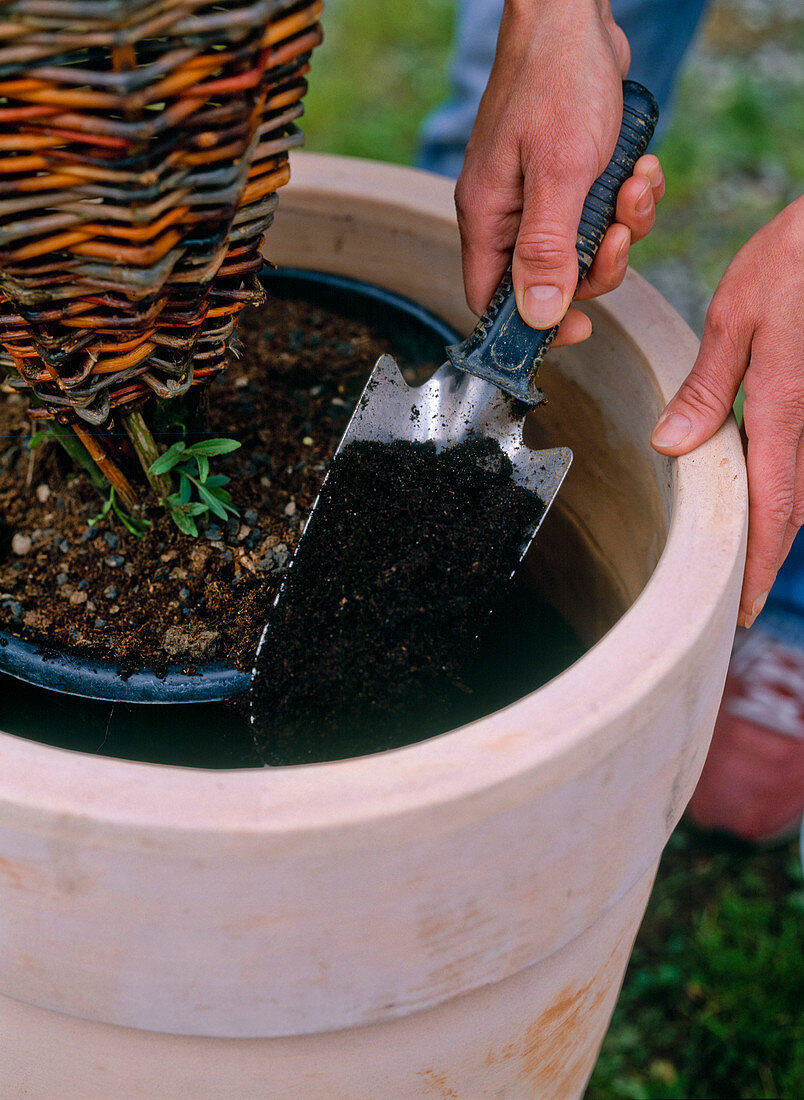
pixel 406 555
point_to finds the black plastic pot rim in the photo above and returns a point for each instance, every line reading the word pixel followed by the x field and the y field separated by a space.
pixel 92 678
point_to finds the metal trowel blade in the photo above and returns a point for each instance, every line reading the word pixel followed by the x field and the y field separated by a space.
pixel 448 409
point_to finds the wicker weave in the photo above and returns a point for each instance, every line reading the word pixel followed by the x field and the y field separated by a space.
pixel 141 146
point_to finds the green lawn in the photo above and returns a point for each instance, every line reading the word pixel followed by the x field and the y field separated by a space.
pixel 709 1005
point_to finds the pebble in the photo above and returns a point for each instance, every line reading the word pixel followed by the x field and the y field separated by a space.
pixel 42 493
pixel 251 517
pixel 110 593
pixel 213 533
pixel 290 508
pixel 114 561
pixel 243 532
pixel 87 534
pixel 61 579
pixel 99 624
pixel 20 544
pixel 78 598
pixel 92 607
pixel 112 540
pixel 83 584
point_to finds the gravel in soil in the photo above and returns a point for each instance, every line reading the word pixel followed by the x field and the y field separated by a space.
pixel 166 598
pixel 406 556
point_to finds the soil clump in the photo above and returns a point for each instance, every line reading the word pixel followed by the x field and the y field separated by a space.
pixel 407 554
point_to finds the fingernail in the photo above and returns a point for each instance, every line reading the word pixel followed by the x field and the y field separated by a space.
pixel 642 205
pixel 758 604
pixel 672 429
pixel 543 306
pixel 623 250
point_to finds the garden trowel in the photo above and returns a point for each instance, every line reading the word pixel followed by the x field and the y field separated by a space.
pixel 487 385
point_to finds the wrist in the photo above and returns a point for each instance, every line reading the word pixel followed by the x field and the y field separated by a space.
pixel 534 10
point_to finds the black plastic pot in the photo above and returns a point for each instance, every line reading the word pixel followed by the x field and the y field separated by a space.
pixel 415 335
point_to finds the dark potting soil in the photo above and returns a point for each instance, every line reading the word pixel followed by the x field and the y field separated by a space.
pixel 166 598
pixel 406 555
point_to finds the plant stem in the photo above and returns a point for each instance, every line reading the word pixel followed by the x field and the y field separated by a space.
pixel 66 438
pixel 147 452
pixel 110 471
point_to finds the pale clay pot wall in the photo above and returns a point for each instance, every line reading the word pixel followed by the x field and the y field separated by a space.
pixel 452 919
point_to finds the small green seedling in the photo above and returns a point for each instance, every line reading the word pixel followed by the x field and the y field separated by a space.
pixel 199 493
pixel 137 527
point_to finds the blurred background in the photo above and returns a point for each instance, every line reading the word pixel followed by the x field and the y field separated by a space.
pixel 711 1005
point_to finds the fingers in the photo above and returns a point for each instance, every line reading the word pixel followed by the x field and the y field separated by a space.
pixel 575 328
pixel 545 263
pixel 487 236
pixel 609 266
pixel 772 520
pixel 636 213
pixel 796 521
pixel 707 394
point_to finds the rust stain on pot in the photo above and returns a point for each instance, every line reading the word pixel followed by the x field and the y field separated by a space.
pixel 21 876
pixel 435 1083
pixel 550 1052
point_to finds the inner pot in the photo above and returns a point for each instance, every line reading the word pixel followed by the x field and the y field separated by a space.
pixel 526 643
pixel 454 916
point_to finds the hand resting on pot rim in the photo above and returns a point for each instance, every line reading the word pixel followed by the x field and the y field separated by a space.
pixel 545 129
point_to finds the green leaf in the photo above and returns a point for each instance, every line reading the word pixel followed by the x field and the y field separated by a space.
pixel 203 467
pixel 172 456
pixel 185 489
pixel 194 508
pixel 212 502
pixel 37 439
pixel 215 481
pixel 185 523
pixel 213 447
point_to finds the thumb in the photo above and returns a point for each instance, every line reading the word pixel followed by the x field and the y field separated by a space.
pixel 545 264
pixel 707 394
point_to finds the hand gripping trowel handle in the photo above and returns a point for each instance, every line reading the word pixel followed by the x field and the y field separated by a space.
pixel 502 348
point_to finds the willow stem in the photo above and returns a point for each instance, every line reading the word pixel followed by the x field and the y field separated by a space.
pixel 108 468
pixel 67 439
pixel 147 452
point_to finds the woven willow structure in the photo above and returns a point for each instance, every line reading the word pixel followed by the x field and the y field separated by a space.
pixel 142 143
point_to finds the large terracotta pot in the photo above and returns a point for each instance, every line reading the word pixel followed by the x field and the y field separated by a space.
pixel 449 919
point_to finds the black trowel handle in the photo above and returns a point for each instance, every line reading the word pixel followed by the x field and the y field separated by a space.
pixel 502 348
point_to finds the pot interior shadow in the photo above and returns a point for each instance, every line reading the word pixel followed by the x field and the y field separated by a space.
pixel 525 644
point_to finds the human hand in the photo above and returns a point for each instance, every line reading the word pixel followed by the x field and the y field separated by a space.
pixel 545 130
pixel 754 335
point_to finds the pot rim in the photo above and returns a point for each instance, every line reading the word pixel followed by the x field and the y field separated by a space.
pixel 475 769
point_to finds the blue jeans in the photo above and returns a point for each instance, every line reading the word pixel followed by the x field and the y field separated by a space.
pixel 659 32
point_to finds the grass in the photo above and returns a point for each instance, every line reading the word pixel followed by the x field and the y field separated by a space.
pixel 711 1002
